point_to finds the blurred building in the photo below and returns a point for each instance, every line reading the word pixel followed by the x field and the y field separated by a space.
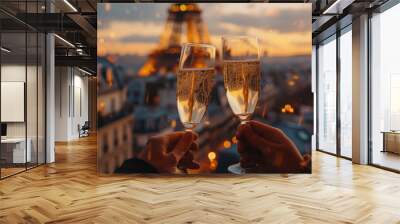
pixel 115 118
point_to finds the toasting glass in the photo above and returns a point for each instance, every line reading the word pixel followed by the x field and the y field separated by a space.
pixel 241 70
pixel 195 82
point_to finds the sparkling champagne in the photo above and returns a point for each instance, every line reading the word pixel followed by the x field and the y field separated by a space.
pixel 193 91
pixel 242 84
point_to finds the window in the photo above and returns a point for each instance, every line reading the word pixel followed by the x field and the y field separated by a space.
pixel 22 66
pixel 346 93
pixel 385 89
pixel 327 95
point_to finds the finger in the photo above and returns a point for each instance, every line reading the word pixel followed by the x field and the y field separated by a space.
pixel 170 162
pixel 239 132
pixel 194 147
pixel 173 138
pixel 257 142
pixel 187 162
pixel 242 146
pixel 183 145
pixel 266 131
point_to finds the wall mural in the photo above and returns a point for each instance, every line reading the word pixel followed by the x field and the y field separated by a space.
pixel 204 88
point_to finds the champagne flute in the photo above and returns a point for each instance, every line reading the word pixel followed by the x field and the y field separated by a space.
pixel 194 82
pixel 241 70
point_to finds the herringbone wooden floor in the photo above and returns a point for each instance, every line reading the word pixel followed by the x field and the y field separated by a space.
pixel 70 191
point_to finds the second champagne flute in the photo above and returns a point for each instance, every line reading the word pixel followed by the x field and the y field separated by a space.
pixel 241 70
pixel 195 82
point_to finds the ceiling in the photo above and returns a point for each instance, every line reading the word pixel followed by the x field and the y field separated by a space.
pixel 74 22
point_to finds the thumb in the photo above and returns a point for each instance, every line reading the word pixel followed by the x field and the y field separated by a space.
pixel 183 145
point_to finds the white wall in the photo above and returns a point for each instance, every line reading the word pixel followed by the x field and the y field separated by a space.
pixel 16 73
pixel 71 94
pixel 33 126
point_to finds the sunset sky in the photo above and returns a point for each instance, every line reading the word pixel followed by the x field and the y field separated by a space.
pixel 135 28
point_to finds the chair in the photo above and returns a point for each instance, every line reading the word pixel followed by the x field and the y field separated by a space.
pixel 84 130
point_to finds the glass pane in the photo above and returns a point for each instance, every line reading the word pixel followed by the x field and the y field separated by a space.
pixel 31 97
pixel 13 86
pixel 385 84
pixel 346 94
pixel 327 96
pixel 41 98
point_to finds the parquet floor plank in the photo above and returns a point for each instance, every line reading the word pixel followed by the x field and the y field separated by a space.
pixel 70 191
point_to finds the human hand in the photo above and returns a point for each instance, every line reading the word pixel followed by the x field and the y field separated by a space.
pixel 263 148
pixel 168 152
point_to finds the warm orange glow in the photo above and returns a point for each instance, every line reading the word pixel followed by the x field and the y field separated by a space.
pixel 109 76
pixel 148 68
pixel 102 106
pixel 227 144
pixel 291 83
pixel 182 8
pixel 173 123
pixel 234 140
pixel 212 156
pixel 287 109
pixel 213 165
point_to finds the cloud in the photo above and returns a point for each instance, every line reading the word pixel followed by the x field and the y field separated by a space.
pixel 138 48
pixel 133 11
pixel 117 30
pixel 255 8
pixel 146 39
pixel 267 16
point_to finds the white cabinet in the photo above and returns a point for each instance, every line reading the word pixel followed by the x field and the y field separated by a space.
pixel 15 148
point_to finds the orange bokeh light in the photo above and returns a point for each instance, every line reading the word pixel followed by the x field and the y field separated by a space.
pixel 234 140
pixel 212 156
pixel 227 144
pixel 287 109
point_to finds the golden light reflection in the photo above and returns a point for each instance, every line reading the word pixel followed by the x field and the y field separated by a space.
pixel 213 165
pixel 287 109
pixel 173 123
pixel 212 156
pixel 182 7
pixel 109 76
pixel 148 68
pixel 227 144
pixel 102 106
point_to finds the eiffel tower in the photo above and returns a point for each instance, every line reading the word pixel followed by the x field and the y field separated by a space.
pixel 165 58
